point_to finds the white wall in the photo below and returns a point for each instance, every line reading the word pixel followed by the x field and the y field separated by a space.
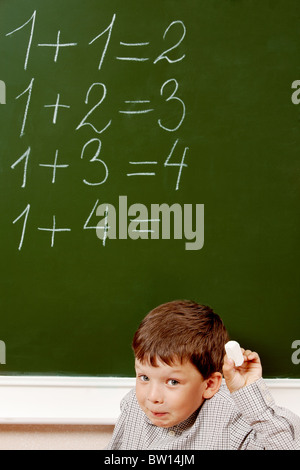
pixel 53 437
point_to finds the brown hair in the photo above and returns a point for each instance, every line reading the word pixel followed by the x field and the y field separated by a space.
pixel 185 331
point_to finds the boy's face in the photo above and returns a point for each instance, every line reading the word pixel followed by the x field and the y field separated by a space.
pixel 167 394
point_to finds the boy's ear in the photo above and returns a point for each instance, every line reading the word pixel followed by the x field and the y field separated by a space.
pixel 213 383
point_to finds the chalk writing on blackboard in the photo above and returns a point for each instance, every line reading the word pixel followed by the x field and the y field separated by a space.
pixel 56 107
pixel 25 213
pixel 54 166
pixel 102 95
pixel 109 31
pixel 24 157
pixel 32 21
pixel 93 151
pixel 29 91
pixel 53 230
pixel 58 45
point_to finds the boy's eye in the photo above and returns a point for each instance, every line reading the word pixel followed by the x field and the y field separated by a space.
pixel 173 382
pixel 143 378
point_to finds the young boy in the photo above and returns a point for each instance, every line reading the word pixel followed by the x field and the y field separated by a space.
pixel 179 401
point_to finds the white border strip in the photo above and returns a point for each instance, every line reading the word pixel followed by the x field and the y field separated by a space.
pixel 90 400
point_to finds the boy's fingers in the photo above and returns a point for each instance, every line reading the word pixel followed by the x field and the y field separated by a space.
pixel 251 356
pixel 228 366
pixel 247 352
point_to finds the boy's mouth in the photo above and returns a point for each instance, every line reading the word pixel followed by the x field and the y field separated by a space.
pixel 158 415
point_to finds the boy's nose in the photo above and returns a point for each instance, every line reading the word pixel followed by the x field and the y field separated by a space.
pixel 155 394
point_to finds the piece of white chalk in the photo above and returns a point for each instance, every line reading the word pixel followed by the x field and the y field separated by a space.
pixel 234 352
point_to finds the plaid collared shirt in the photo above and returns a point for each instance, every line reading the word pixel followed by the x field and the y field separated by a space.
pixel 246 419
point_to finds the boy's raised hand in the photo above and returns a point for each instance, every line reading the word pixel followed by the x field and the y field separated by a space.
pixel 247 373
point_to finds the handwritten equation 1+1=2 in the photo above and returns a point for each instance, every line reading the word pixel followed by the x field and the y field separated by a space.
pixel 169 92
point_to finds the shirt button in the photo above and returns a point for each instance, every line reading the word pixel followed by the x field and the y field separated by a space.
pixel 171 433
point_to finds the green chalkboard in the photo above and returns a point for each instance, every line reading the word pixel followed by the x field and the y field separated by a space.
pixel 181 114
